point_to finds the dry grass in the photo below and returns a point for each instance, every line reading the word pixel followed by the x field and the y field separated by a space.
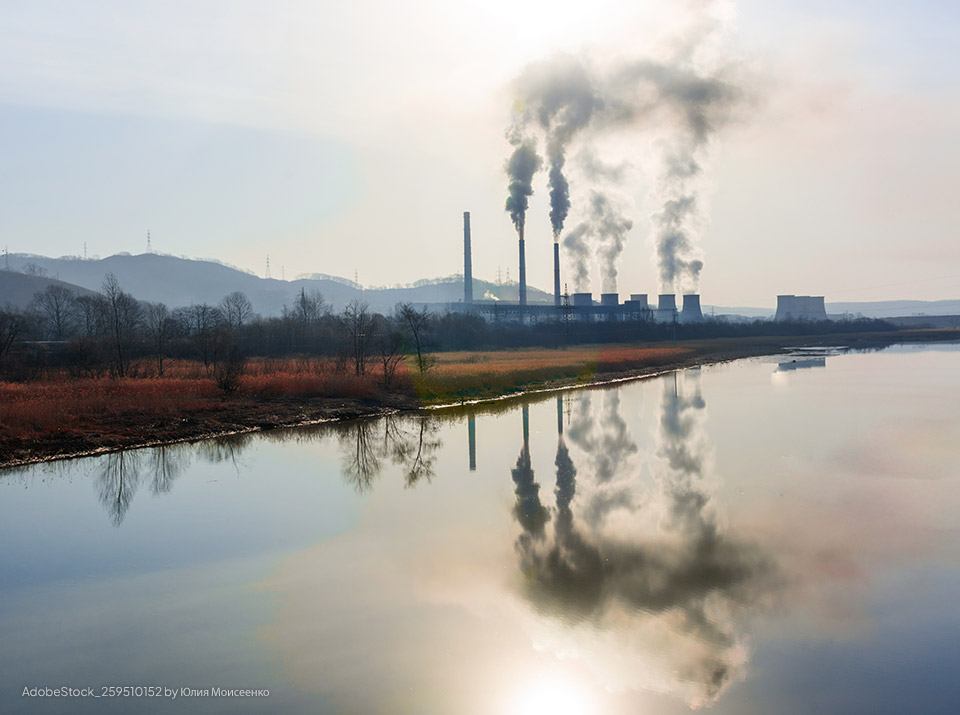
pixel 28 410
pixel 63 405
pixel 472 375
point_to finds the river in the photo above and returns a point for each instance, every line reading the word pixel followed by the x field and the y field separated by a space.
pixel 774 535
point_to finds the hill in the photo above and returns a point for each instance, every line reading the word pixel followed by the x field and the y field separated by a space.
pixel 18 289
pixel 183 281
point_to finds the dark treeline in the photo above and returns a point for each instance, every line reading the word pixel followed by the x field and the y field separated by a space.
pixel 109 332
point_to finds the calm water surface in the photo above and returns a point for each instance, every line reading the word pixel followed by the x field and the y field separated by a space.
pixel 770 536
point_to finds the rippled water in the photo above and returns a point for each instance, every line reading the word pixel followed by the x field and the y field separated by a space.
pixel 769 536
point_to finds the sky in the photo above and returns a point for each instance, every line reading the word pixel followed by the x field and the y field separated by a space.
pixel 348 138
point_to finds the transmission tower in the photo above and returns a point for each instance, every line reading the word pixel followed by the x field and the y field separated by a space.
pixel 267 275
pixel 149 247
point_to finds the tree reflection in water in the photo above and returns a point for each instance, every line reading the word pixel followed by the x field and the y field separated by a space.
pixel 412 443
pixel 683 589
pixel 117 482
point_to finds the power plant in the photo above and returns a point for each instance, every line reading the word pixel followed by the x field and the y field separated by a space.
pixel 582 306
pixel 800 307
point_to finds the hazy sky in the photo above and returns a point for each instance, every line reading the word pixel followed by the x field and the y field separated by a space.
pixel 343 136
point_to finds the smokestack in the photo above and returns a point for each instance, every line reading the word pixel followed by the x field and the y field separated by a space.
pixel 691 312
pixel 523 272
pixel 472 439
pixel 467 261
pixel 526 428
pixel 668 301
pixel 556 273
pixel 610 300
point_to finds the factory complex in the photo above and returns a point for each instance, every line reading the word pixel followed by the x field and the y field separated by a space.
pixel 583 307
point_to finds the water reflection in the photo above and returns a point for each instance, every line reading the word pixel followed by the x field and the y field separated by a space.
pixel 672 596
pixel 117 482
pixel 121 474
pixel 801 364
pixel 412 443
pixel 528 510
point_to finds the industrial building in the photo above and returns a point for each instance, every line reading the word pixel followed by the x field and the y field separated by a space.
pixel 583 307
pixel 800 307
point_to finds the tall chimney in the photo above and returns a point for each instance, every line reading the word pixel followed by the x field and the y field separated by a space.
pixel 556 273
pixel 523 272
pixel 467 261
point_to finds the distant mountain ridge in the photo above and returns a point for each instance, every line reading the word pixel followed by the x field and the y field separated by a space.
pixel 180 281
pixel 18 289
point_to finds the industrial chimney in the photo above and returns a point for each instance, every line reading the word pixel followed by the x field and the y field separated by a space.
pixel 523 272
pixel 467 260
pixel 556 273
pixel 691 312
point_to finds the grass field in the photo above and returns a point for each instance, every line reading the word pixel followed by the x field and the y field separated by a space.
pixel 62 415
pixel 461 375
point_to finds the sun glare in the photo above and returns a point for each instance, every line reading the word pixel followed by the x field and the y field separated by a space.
pixel 553 694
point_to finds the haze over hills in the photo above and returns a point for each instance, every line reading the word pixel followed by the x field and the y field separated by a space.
pixel 179 281
pixel 18 289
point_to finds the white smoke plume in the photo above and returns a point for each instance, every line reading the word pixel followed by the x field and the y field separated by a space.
pixel 675 598
pixel 684 94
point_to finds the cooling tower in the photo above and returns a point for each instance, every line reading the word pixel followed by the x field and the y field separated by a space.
pixel 467 260
pixel 639 299
pixel 668 301
pixel 800 307
pixel 556 273
pixel 582 299
pixel 691 309
pixel 523 272
pixel 610 300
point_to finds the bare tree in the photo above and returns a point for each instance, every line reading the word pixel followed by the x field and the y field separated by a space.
pixel 160 328
pixel 200 323
pixel 236 309
pixel 12 326
pixel 390 351
pixel 55 304
pixel 32 269
pixel 359 324
pixel 417 322
pixel 124 316
pixel 308 308
pixel 90 312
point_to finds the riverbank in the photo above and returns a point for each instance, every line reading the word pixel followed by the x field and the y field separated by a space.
pixel 44 421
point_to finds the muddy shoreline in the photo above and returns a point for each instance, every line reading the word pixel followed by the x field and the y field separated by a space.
pixel 244 416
